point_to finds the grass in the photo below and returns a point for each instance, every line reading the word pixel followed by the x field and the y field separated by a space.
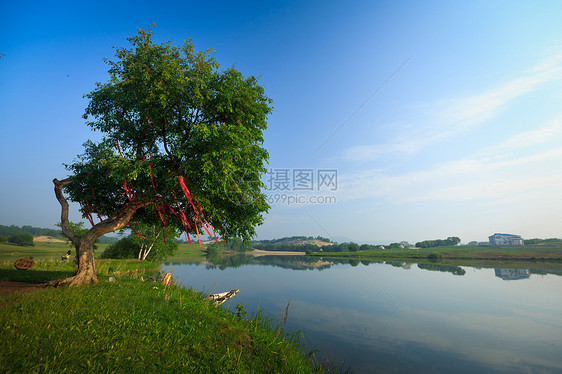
pixel 186 253
pixel 133 325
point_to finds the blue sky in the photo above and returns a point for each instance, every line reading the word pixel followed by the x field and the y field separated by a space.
pixel 436 118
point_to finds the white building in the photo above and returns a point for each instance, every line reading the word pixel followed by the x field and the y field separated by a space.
pixel 505 239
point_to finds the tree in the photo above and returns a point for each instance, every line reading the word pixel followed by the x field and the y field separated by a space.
pixel 182 148
pixel 21 239
pixel 155 244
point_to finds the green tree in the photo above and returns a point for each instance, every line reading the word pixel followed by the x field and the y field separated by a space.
pixel 353 247
pixel 182 147
pixel 155 244
pixel 21 239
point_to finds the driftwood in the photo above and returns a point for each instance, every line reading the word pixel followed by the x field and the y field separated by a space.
pixel 166 279
pixel 219 298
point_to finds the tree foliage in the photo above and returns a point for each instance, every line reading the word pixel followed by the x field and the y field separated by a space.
pixel 450 241
pixel 21 239
pixel 151 243
pixel 168 112
pixel 34 231
pixel 182 145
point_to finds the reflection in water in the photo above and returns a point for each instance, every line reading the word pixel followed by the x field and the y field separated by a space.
pixel 455 270
pixel 512 274
pixel 376 318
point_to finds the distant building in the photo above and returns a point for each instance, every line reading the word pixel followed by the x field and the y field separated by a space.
pixel 505 239
pixel 512 274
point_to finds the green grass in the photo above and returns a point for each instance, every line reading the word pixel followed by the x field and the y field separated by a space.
pixel 133 325
pixel 47 270
pixel 186 253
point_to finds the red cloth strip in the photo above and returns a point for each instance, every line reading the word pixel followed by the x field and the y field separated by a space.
pixel 136 233
pixel 186 192
pixel 151 178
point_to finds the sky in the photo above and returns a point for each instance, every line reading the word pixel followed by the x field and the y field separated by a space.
pixel 392 120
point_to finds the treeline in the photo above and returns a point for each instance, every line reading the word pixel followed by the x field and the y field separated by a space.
pixel 18 239
pixel 284 247
pixel 288 244
pixel 33 231
pixel 292 239
pixel 450 241
pixel 346 247
pixel 542 241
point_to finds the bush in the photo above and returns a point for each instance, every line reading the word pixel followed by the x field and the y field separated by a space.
pixel 435 256
pixel 124 248
pixel 21 239
pixel 3 239
pixel 130 247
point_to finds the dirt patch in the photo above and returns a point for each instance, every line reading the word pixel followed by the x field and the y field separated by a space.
pixel 8 288
pixel 47 239
pixel 259 253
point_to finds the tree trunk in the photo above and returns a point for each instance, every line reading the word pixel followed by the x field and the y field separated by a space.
pixel 85 244
pixel 86 264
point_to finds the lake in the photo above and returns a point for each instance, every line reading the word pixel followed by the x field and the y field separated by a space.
pixel 400 317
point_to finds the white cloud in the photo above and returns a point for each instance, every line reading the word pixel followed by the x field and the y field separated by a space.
pixel 487 175
pixel 450 117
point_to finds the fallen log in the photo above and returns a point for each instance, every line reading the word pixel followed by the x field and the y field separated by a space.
pixel 219 298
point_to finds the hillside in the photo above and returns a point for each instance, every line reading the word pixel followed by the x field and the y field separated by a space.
pixel 294 243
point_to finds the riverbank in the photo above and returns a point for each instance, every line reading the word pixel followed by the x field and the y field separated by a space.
pixel 549 256
pixel 259 253
pixel 133 324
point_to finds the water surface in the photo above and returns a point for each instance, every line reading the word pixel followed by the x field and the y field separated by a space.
pixel 396 318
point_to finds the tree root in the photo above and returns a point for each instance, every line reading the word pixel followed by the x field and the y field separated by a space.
pixel 77 280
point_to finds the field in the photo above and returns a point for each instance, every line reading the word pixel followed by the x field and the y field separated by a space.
pixel 131 323
pixel 50 250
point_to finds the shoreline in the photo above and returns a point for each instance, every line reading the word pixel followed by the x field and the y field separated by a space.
pixel 260 253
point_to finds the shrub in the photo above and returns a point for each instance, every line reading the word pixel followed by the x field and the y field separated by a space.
pixel 124 248
pixel 21 239
pixel 435 256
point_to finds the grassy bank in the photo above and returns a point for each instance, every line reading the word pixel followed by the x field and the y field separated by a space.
pixel 133 325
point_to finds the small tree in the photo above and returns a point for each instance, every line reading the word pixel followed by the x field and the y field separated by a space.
pixel 21 239
pixel 182 148
pixel 156 244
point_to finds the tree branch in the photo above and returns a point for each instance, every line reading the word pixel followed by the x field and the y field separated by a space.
pixel 65 223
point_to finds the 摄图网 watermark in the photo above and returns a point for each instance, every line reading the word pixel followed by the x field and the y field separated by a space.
pixel 288 186
pixel 297 186
pixel 285 179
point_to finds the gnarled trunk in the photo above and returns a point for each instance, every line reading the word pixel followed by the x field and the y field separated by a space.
pixel 85 244
pixel 86 263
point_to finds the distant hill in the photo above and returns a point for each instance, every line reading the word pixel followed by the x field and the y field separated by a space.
pixel 293 243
